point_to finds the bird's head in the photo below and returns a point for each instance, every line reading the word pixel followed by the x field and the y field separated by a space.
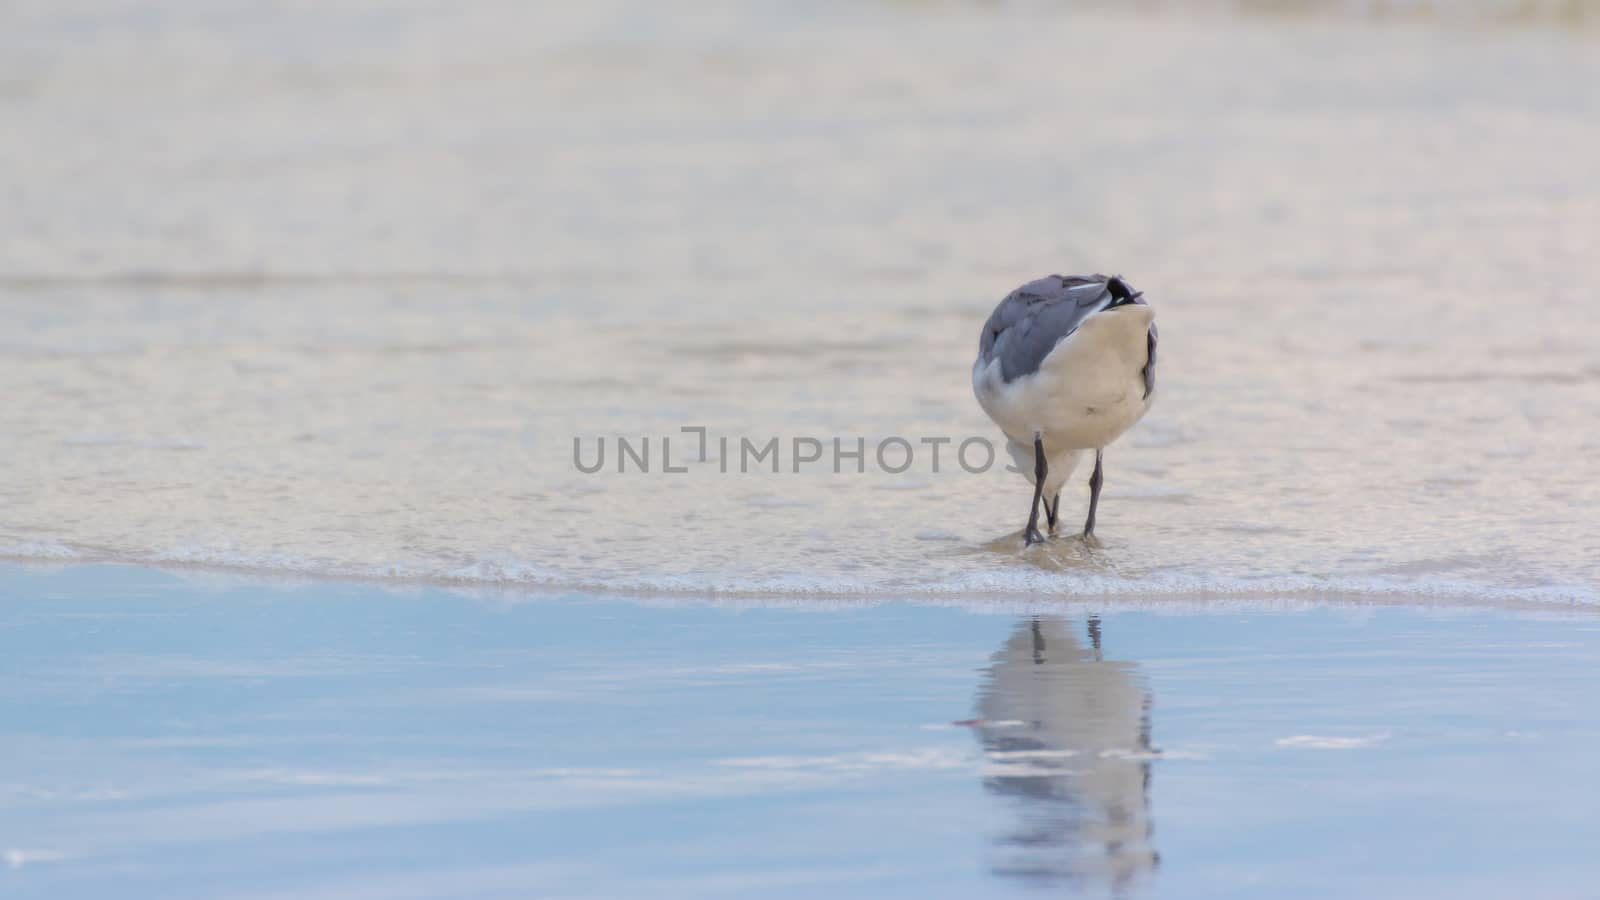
pixel 1121 293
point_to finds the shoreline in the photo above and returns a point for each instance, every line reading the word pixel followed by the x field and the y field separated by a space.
pixel 1292 592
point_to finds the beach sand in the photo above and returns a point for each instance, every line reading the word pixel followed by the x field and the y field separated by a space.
pixel 182 736
pixel 335 292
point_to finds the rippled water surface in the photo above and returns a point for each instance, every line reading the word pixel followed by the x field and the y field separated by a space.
pixel 333 292
pixel 201 738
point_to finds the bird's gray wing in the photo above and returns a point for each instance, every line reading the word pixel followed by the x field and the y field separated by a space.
pixel 1032 319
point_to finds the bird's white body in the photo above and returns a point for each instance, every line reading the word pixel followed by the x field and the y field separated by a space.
pixel 1086 393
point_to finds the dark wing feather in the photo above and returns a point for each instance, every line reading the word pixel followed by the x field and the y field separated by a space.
pixel 1150 362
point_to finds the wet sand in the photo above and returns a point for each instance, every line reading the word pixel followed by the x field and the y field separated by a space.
pixel 184 736
pixel 332 292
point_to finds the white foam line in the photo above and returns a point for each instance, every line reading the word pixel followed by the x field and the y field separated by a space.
pixel 16 858
pixel 1023 770
pixel 1322 742
pixel 1016 591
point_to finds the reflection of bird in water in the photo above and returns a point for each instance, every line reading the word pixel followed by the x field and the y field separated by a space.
pixel 1067 736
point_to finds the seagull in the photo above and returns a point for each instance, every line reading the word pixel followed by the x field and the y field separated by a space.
pixel 1065 364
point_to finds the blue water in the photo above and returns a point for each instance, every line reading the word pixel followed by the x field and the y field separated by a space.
pixel 170 737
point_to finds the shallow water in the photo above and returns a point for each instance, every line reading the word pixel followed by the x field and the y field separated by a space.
pixel 334 293
pixel 208 738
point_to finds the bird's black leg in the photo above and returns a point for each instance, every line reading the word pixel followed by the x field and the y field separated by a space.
pixel 1095 481
pixel 1051 507
pixel 1032 535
